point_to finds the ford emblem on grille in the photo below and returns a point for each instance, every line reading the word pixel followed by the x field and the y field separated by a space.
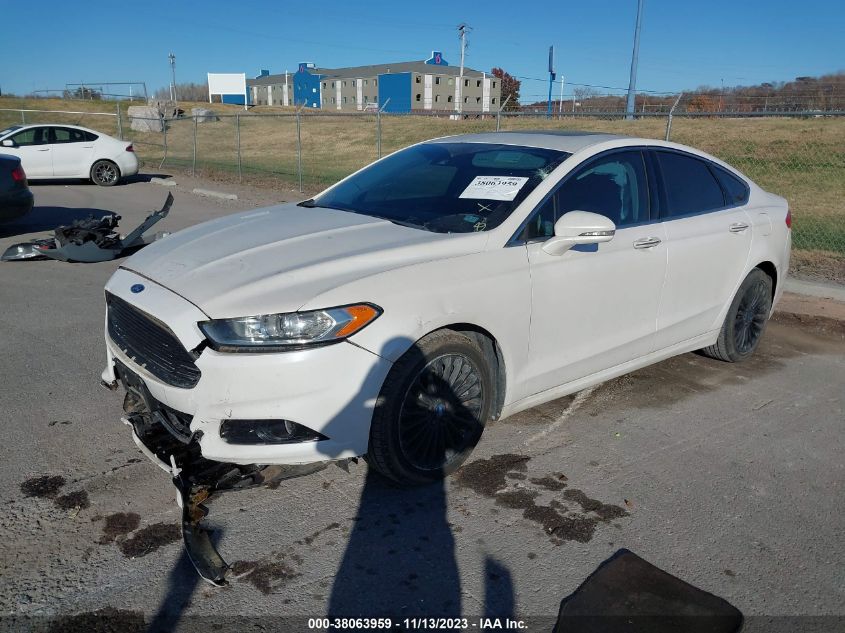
pixel 137 288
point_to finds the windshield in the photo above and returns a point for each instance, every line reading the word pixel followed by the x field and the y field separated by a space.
pixel 445 187
pixel 9 129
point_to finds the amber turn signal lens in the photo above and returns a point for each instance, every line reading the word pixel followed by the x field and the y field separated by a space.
pixel 361 315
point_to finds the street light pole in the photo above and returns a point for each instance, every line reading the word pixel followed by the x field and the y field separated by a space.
pixel 172 59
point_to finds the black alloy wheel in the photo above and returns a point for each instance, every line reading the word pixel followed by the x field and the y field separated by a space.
pixel 440 413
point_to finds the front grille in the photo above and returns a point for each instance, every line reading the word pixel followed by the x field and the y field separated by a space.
pixel 150 344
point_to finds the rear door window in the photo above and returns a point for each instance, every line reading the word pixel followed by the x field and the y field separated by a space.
pixel 67 135
pixel 689 185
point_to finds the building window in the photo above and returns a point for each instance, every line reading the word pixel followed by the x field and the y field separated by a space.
pixel 324 84
pixel 437 80
pixel 478 84
pixel 494 84
pixel 332 84
pixel 332 99
pixel 449 99
pixel 436 98
pixel 344 99
pixel 466 83
pixel 478 99
pixel 466 99
pixel 451 81
pixel 418 96
pixel 418 79
pixel 493 100
pixel 375 82
pixel 365 82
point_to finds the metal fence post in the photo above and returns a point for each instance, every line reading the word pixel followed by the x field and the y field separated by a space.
pixel 669 119
pixel 23 117
pixel 378 127
pixel 238 137
pixel 299 148
pixel 164 134
pixel 194 161
pixel 499 112
pixel 119 123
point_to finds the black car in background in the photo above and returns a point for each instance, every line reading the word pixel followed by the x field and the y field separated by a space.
pixel 15 197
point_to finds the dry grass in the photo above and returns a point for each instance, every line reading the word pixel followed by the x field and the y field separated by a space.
pixel 802 159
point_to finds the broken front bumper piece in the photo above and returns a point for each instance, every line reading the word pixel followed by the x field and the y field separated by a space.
pixel 197 480
pixel 88 241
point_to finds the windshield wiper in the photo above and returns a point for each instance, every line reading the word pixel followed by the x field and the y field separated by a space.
pixel 308 204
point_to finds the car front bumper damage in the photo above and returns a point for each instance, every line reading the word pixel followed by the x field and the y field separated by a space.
pixel 196 479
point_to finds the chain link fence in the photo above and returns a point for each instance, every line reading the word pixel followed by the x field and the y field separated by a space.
pixel 800 156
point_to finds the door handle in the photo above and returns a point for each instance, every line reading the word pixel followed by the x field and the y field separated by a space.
pixel 46 149
pixel 647 242
pixel 738 227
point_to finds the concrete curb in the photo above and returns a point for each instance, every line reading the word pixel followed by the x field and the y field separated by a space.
pixel 163 182
pixel 815 289
pixel 215 194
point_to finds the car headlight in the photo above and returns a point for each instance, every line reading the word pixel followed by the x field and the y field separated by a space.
pixel 291 330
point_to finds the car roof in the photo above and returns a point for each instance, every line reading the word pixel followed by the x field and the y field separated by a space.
pixel 564 140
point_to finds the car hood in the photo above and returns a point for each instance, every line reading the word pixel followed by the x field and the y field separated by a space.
pixel 276 259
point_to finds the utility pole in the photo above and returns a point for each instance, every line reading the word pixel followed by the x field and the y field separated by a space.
pixel 551 79
pixel 172 59
pixel 721 92
pixel 632 83
pixel 463 29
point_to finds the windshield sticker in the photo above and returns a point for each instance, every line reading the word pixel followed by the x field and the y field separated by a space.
pixel 494 187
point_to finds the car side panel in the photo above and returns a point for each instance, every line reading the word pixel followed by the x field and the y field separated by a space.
pixel 706 263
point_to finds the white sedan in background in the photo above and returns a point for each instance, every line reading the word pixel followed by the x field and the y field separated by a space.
pixel 455 282
pixel 69 151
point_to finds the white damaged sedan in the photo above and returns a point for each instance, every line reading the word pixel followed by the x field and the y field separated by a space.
pixel 455 282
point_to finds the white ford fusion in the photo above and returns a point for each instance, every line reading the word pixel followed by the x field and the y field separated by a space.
pixel 69 151
pixel 455 282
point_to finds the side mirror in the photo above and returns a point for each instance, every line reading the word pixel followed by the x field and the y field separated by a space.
pixel 8 143
pixel 579 227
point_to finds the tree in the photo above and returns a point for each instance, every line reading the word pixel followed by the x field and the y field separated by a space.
pixel 510 88
pixel 83 92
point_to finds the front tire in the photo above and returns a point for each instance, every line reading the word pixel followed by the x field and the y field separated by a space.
pixel 105 173
pixel 745 321
pixel 432 409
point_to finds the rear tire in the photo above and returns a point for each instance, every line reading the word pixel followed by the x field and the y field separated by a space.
pixel 105 173
pixel 432 409
pixel 745 321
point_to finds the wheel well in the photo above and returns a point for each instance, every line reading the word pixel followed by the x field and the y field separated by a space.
pixel 772 272
pixel 493 353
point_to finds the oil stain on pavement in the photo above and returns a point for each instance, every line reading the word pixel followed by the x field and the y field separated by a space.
pixel 149 539
pixel 119 524
pixel 560 522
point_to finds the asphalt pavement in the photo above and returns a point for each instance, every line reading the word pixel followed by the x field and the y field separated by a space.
pixel 727 476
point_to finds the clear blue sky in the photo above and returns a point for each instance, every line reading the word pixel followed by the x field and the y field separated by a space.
pixel 684 44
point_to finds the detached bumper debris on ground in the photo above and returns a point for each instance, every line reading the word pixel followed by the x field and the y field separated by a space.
pixel 90 240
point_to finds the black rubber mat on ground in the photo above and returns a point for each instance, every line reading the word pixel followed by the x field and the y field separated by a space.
pixel 627 593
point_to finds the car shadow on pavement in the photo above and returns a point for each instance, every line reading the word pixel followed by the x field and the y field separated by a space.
pixel 42 219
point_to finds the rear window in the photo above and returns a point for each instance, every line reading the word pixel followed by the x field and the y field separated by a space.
pixel 689 184
pixel 736 190
pixel 445 187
